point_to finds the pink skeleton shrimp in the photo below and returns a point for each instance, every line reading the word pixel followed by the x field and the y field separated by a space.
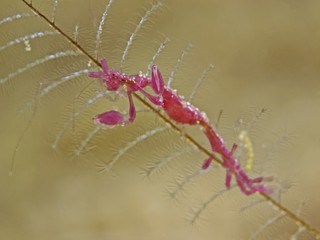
pixel 178 110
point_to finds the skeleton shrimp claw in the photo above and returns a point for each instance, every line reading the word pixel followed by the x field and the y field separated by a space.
pixel 113 118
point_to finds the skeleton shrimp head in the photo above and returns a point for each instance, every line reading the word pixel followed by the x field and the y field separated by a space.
pixel 112 78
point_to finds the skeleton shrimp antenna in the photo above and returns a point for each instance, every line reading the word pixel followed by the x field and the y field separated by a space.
pixel 276 204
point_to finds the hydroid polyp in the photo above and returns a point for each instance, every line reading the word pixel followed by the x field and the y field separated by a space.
pixel 157 89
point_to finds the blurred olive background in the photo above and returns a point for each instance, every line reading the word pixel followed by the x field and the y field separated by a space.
pixel 266 55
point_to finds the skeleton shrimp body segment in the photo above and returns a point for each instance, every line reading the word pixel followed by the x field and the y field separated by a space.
pixel 179 111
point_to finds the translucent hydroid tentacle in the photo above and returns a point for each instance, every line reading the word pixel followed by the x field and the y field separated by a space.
pixel 180 186
pixel 40 61
pixel 55 5
pixel 174 70
pixel 17 16
pixel 162 46
pixel 203 206
pixel 23 134
pixel 55 84
pixel 256 117
pixel 297 233
pixel 300 229
pixel 99 32
pixel 28 37
pixel 156 166
pixel 143 19
pixel 72 118
pixel 85 142
pixel 76 32
pixel 200 80
pixel 274 148
pixel 251 204
pixel 267 224
pixel 131 144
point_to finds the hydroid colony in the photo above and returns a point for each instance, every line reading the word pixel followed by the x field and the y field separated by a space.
pixel 48 56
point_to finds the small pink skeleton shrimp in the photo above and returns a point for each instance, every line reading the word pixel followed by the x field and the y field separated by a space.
pixel 178 110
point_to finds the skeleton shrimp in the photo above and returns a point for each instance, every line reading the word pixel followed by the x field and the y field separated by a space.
pixel 178 110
